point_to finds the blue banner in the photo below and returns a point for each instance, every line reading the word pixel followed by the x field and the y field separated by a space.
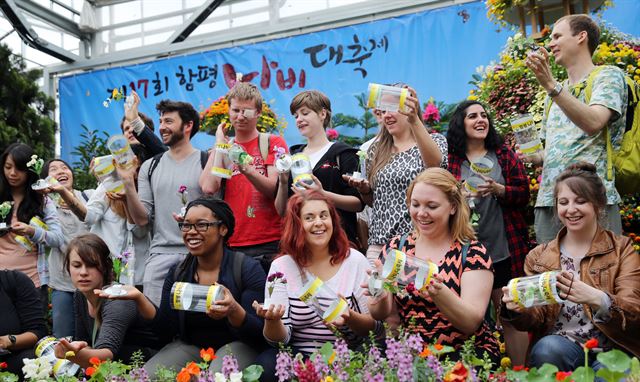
pixel 435 51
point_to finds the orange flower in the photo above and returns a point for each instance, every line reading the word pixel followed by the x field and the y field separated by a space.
pixel 562 375
pixel 520 368
pixel 193 368
pixel 95 361
pixel 183 376
pixel 458 374
pixel 438 347
pixel 90 371
pixel 207 355
pixel 590 344
pixel 425 352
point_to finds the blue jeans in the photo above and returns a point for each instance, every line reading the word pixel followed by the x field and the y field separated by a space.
pixel 560 351
pixel 62 313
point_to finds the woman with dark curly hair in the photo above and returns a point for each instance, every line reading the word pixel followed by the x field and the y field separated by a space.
pixel 501 196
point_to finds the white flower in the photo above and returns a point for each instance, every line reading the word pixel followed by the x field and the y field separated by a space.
pixel 235 377
pixel 219 377
pixel 38 369
pixel 105 104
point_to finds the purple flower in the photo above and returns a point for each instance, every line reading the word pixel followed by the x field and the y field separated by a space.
pixel 284 365
pixel 415 343
pixel 434 364
pixel 229 365
pixel 320 365
pixel 139 374
pixel 393 349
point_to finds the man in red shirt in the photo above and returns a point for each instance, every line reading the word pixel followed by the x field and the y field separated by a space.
pixel 250 190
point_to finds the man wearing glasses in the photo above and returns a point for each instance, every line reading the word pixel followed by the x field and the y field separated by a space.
pixel 248 189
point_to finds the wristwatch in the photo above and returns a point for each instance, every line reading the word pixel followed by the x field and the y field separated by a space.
pixel 556 90
pixel 12 339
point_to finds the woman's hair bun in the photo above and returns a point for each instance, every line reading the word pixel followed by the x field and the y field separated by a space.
pixel 582 166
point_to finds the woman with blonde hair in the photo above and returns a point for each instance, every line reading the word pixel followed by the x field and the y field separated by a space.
pixel 451 308
pixel 403 149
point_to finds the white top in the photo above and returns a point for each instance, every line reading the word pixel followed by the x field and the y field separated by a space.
pixel 305 329
pixel 315 157
pixel 115 231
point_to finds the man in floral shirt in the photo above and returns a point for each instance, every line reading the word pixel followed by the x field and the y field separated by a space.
pixel 574 130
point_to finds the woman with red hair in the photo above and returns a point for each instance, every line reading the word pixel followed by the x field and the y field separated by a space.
pixel 314 245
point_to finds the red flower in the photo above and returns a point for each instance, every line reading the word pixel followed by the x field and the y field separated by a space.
pixel 90 371
pixel 590 344
pixel 520 368
pixel 183 376
pixel 410 288
pixel 3 365
pixel 95 361
pixel 562 375
pixel 207 355
pixel 332 134
pixel 458 374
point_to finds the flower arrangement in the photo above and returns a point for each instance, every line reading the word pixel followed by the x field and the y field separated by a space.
pixel 182 193
pixel 5 208
pixel 273 280
pixel 496 8
pixel 121 266
pixel 35 164
pixel 218 112
pixel 431 115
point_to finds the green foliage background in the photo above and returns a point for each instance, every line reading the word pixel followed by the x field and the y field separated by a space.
pixel 25 111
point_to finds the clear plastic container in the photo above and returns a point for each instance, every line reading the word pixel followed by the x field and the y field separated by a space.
pixel 323 300
pixel 387 98
pixel 402 269
pixel 525 132
pixel 301 170
pixel 224 167
pixel 103 167
pixel 284 162
pixel 535 290
pixel 472 183
pixel 121 151
pixel 45 348
pixel 482 166
pixel 239 156
pixel 194 297
pixel 64 367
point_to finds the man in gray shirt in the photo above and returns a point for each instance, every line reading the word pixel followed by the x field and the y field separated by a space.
pixel 164 182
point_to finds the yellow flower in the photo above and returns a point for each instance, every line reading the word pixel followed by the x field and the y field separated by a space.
pixel 472 98
pixel 505 362
pixel 328 378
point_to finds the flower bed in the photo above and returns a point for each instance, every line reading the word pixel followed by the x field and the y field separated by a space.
pixel 406 358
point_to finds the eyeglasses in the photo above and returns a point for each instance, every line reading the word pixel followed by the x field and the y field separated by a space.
pixel 247 113
pixel 200 226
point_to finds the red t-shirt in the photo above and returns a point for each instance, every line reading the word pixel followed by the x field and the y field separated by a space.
pixel 257 221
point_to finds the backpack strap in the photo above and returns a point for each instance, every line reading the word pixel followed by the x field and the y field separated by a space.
pixel 238 260
pixel 154 163
pixel 465 251
pixel 204 157
pixel 84 196
pixel 263 143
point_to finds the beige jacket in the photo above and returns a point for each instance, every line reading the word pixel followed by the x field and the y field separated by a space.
pixel 611 265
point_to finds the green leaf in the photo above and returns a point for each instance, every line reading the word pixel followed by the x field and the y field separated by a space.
pixel 583 374
pixel 326 351
pixel 609 375
pixel 546 373
pixel 615 360
pixel 252 373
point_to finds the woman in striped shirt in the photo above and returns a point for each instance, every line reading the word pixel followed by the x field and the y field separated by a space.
pixel 314 245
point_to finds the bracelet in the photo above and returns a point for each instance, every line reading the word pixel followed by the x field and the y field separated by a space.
pixel 137 125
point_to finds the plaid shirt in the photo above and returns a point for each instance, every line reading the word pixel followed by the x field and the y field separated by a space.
pixel 516 198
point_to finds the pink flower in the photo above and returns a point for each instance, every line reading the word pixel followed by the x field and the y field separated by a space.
pixel 182 189
pixel 431 114
pixel 332 134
